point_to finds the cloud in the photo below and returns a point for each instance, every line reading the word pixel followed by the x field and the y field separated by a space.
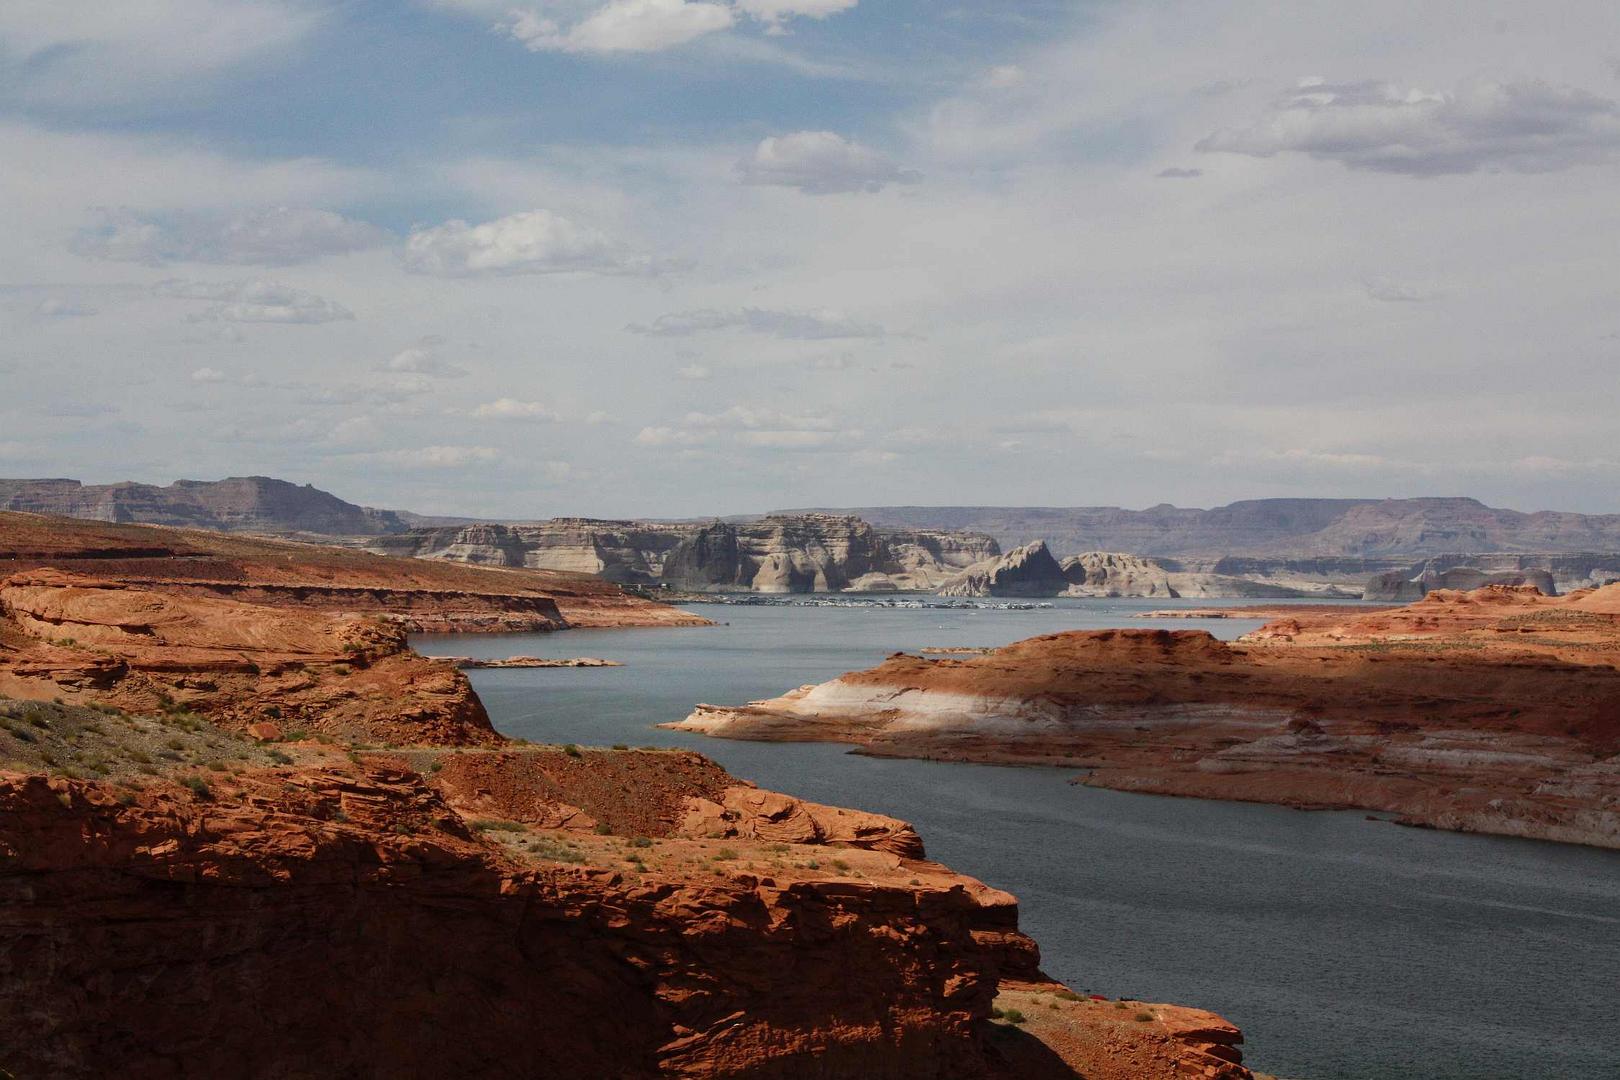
pixel 744 416
pixel 273 236
pixel 695 372
pixel 208 375
pixel 59 307
pixel 820 163
pixel 1179 174
pixel 636 26
pixel 1003 77
pixel 1526 127
pixel 434 457
pixel 512 409
pixel 792 325
pixel 254 302
pixel 669 436
pixel 82 54
pixel 16 451
pixel 531 242
pixel 775 12
pixel 1395 291
pixel 423 358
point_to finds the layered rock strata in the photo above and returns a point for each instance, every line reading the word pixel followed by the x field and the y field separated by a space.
pixel 1492 711
pixel 783 553
pixel 208 868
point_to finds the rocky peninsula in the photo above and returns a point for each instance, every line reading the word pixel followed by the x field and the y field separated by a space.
pixel 1496 711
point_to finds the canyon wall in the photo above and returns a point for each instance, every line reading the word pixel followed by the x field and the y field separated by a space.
pixel 1274 528
pixel 781 554
pixel 239 504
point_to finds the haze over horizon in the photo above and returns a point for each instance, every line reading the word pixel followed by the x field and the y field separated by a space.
pixel 672 258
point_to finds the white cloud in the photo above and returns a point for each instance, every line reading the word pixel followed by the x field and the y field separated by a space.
pixel 512 409
pixel 272 236
pixel 16 451
pixel 208 375
pixel 1396 291
pixel 793 325
pixel 669 436
pixel 85 53
pixel 423 358
pixel 1003 77
pixel 821 163
pixel 695 372
pixel 254 301
pixel 531 242
pixel 638 26
pixel 775 12
pixel 435 457
pixel 1526 127
pixel 1178 173
pixel 60 307
pixel 787 440
pixel 744 416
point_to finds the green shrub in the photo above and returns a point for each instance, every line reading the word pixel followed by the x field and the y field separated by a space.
pixel 571 750
pixel 1012 1016
pixel 604 829
pixel 199 787
pixel 497 825
pixel 640 841
pixel 1144 1018
pixel 725 854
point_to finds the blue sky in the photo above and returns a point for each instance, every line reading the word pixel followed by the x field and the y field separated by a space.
pixel 531 257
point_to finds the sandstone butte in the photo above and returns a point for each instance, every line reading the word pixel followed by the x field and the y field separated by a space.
pixel 246 831
pixel 1493 711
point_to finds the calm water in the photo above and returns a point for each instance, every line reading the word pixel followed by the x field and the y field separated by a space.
pixel 1346 949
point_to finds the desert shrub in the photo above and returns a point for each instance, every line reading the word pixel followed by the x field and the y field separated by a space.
pixel 603 829
pixel 725 854
pixel 497 825
pixel 571 750
pixel 1012 1016
pixel 640 841
pixel 1143 1018
pixel 199 787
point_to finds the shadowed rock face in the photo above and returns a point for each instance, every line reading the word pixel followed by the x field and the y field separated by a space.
pixel 1493 711
pixel 1400 588
pixel 1027 571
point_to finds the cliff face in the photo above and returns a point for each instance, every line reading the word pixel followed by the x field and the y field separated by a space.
pixel 1027 571
pixel 240 503
pixel 783 554
pixel 1494 711
pixel 1278 528
pixel 328 920
pixel 1108 573
pixel 1399 588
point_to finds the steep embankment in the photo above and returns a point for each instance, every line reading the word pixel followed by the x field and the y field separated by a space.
pixel 1493 711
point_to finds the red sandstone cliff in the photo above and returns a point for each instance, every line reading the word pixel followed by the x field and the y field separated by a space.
pixel 205 871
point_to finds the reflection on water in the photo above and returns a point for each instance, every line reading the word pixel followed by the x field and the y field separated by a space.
pixel 1346 949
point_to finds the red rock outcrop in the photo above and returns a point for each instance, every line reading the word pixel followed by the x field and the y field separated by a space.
pixel 177 900
pixel 1494 711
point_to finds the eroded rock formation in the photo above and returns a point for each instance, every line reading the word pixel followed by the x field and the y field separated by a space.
pixel 780 554
pixel 238 504
pixel 1400 588
pixel 1494 711
pixel 1110 573
pixel 1026 571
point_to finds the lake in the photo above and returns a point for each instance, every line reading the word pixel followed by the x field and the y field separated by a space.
pixel 1346 949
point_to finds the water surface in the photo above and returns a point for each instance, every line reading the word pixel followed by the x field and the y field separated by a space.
pixel 1345 949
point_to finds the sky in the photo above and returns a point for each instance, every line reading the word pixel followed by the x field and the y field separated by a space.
pixel 525 258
